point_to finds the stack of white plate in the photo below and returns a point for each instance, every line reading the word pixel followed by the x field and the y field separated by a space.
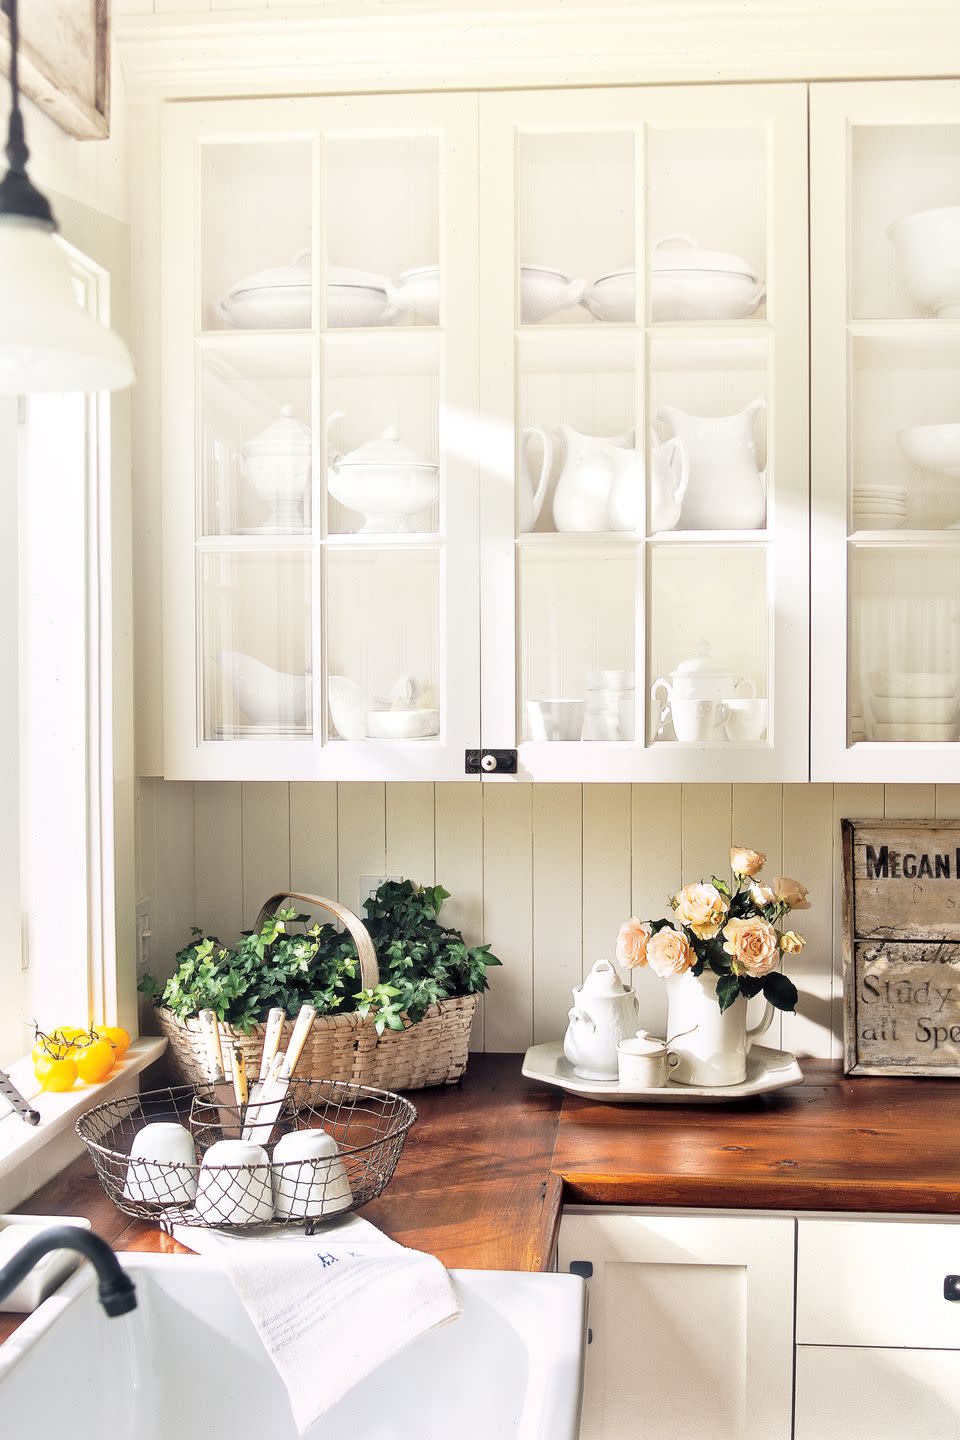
pixel 879 507
pixel 912 705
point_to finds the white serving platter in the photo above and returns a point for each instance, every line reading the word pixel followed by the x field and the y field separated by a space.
pixel 766 1070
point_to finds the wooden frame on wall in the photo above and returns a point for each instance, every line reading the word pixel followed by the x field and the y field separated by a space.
pixel 65 62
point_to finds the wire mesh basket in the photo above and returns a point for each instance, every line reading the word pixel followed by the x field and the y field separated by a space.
pixel 323 1150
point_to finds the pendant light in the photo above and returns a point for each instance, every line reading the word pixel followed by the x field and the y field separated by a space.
pixel 48 341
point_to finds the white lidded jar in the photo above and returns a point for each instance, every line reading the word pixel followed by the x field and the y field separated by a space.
pixel 276 462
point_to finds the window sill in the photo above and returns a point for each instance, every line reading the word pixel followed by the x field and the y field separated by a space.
pixel 30 1155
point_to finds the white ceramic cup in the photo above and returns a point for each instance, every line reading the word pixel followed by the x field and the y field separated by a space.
pixel 236 1184
pixel 151 1178
pixel 746 719
pixel 644 1062
pixel 697 719
pixel 309 1179
pixel 555 719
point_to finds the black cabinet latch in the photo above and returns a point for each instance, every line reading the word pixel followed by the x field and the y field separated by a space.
pixel 490 762
pixel 951 1287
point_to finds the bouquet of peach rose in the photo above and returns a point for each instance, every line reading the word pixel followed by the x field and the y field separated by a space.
pixel 738 933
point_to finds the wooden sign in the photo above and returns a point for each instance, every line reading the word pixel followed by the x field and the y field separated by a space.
pixel 901 947
pixel 65 62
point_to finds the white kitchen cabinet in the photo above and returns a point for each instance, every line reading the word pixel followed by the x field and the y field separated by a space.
pixel 292 622
pixel 885 431
pixel 292 619
pixel 691 1319
pixel 877 1394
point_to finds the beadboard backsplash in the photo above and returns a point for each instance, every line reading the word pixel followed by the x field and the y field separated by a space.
pixel 545 873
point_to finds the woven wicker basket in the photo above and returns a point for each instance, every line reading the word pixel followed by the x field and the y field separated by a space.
pixel 342 1047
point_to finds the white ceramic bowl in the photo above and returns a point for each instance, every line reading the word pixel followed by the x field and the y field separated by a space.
pixel 151 1177
pixel 914 710
pixel 928 247
pixel 417 297
pixel 555 719
pixel 309 1178
pixel 267 307
pixel 613 298
pixel 703 295
pixel 236 1184
pixel 350 306
pixel 402 724
pixel 543 292
pixel 933 447
pixel 879 519
pixel 941 733
pixel 920 684
pixel 348 708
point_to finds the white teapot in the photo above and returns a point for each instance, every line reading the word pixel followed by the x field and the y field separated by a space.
pixel 603 1014
pixel 726 488
pixel 695 694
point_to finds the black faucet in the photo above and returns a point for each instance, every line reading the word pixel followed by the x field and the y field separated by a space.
pixel 117 1292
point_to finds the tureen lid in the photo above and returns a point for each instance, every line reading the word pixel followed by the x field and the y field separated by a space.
pixel 389 452
pixel 701 667
pixel 681 252
pixel 283 436
pixel 361 279
pixel 603 982
pixel 279 277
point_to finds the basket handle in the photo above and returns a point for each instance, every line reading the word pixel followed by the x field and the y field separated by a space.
pixel 358 932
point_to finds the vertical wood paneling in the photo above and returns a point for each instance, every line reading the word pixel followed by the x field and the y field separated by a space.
pixel 265 818
pixel 909 802
pixel 410 831
pixel 606 869
pixel 706 831
pixel 758 823
pixel 809 843
pixel 558 864
pixel 656 874
pixel 508 914
pixel 458 844
pixel 218 836
pixel 947 802
pixel 313 838
pixel 173 896
pixel 362 832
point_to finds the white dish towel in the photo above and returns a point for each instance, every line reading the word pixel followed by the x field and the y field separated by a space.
pixel 330 1308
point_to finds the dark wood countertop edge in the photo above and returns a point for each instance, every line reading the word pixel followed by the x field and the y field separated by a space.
pixel 796 1194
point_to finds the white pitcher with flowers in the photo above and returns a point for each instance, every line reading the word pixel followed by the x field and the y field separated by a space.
pixel 722 947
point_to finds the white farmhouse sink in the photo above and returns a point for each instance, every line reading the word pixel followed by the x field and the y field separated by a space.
pixel 187 1365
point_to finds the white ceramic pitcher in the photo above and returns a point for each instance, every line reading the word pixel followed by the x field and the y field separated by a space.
pixel 603 1014
pixel 715 1052
pixel 592 466
pixel 726 489
pixel 531 494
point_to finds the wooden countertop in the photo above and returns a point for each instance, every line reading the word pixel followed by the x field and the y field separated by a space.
pixel 490 1161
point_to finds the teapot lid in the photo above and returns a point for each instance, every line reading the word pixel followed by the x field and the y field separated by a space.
pixel 681 252
pixel 283 436
pixel 603 982
pixel 701 666
pixel 389 452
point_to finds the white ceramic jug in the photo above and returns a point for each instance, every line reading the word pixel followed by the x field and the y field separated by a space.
pixel 530 494
pixel 725 490
pixel 715 1052
pixel 603 1014
pixel 669 478
pixel 592 464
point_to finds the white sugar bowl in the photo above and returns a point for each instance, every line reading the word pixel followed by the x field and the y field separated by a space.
pixel 309 1178
pixel 604 1013
pixel 276 462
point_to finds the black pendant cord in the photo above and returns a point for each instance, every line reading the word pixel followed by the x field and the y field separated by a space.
pixel 18 195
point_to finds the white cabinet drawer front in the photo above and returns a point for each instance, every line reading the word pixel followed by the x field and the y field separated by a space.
pixel 869 1282
pixel 874 1394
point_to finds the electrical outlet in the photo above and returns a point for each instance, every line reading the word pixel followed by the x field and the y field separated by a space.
pixel 369 885
pixel 143 938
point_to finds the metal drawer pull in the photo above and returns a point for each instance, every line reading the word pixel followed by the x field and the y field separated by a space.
pixel 951 1287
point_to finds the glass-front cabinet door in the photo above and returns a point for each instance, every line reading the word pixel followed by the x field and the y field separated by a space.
pixel 321 611
pixel 885 266
pixel 644 432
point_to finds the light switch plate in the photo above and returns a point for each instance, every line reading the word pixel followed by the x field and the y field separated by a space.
pixel 369 885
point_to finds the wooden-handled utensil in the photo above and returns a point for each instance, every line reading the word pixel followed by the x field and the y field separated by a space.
pixel 222 1087
pixel 271 1042
pixel 238 1067
pixel 272 1091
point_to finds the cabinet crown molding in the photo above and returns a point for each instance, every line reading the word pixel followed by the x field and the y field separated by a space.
pixel 345 47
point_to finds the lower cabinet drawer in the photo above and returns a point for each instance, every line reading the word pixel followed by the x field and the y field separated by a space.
pixel 847 1393
pixel 878 1282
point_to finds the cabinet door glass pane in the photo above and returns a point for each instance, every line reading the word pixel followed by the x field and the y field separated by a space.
pixel 383 230
pixel 576 243
pixel 708 644
pixel 256 438
pixel 904 644
pixel 706 225
pixel 256 199
pixel 384 678
pixel 255 645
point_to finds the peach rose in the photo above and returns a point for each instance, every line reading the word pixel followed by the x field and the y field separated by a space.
pixel 761 895
pixel 791 943
pixel 632 940
pixel 791 893
pixel 746 862
pixel 669 952
pixel 753 945
pixel 703 908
